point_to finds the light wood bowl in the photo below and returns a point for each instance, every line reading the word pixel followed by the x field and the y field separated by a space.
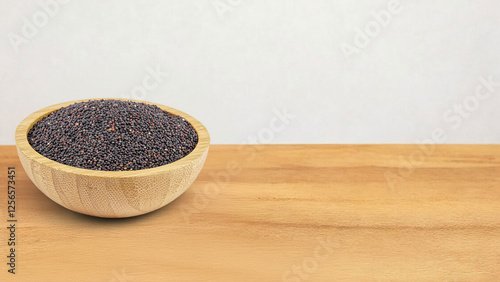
pixel 110 193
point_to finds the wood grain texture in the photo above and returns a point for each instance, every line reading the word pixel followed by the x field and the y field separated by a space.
pixel 110 193
pixel 274 210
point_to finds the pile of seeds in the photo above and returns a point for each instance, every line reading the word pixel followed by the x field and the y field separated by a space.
pixel 113 135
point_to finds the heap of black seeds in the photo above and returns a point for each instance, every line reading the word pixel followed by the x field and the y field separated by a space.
pixel 113 135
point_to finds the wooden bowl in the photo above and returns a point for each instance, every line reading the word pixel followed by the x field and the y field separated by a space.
pixel 110 193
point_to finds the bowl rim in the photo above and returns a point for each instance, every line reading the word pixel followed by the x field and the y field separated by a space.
pixel 21 137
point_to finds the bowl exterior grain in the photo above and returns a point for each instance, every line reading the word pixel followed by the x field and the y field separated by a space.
pixel 110 193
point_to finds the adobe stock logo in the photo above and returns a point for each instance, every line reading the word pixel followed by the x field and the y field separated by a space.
pixel 248 151
pixel 31 27
pixel 223 7
pixel 121 276
pixel 372 29
pixel 462 111
pixel 453 117
pixel 309 265
pixel 150 82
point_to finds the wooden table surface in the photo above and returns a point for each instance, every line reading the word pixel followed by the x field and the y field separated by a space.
pixel 281 213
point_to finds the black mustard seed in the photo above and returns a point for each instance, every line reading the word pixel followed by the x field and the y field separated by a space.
pixel 113 135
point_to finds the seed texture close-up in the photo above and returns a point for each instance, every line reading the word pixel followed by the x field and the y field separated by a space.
pixel 113 135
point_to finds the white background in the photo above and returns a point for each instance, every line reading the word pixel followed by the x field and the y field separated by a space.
pixel 232 64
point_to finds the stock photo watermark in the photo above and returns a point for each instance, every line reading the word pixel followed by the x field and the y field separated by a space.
pixel 277 123
pixel 363 37
pixel 121 276
pixel 32 26
pixel 150 82
pixel 454 117
pixel 303 270
pixel 223 7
